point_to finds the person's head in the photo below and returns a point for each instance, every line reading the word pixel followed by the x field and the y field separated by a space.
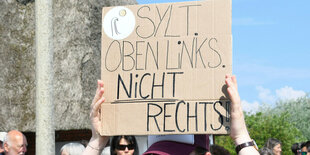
pixel 15 143
pixel 265 151
pixel 274 145
pixel 218 150
pixel 124 145
pixel 296 147
pixel 200 151
pixel 72 149
pixel 106 151
pixel 2 138
pixel 305 147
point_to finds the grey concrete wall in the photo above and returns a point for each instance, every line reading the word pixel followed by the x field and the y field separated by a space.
pixel 77 32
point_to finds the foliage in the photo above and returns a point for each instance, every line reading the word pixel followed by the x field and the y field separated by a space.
pixel 299 111
pixel 263 126
pixel 226 142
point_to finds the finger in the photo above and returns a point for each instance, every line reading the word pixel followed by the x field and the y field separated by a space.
pixel 233 95
pixel 232 90
pixel 96 107
pixel 227 76
pixel 99 91
pixel 100 82
pixel 234 80
pixel 98 96
pixel 229 82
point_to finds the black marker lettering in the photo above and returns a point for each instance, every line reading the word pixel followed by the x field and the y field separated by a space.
pixel 187 16
pixel 106 57
pixel 220 59
pixel 227 110
pixel 192 116
pixel 176 116
pixel 148 19
pixel 198 51
pixel 167 116
pixel 120 80
pixel 205 113
pixel 190 55
pixel 140 90
pixel 159 85
pixel 220 116
pixel 168 23
pixel 155 56
pixel 136 85
pixel 168 58
pixel 129 56
pixel 154 116
pixel 173 81
pixel 137 54
pixel 161 18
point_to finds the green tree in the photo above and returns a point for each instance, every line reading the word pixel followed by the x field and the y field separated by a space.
pixel 263 126
pixel 299 111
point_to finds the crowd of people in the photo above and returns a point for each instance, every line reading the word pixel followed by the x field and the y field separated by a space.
pixel 14 142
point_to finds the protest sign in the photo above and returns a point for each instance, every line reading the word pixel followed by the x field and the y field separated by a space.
pixel 164 66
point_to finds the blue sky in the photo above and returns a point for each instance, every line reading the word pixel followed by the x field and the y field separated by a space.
pixel 271 49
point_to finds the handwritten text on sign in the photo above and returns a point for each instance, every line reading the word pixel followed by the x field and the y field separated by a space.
pixel 167 62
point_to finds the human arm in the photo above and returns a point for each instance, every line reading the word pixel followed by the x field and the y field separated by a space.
pixel 239 132
pixel 97 142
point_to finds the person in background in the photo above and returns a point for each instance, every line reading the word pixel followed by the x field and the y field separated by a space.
pixel 106 151
pixel 296 148
pixel 15 143
pixel 265 151
pixel 124 145
pixel 84 142
pixel 214 150
pixel 305 148
pixel 72 149
pixel 274 145
pixel 218 150
pixel 239 132
pixel 2 138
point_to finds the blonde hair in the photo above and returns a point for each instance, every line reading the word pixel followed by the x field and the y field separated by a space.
pixel 73 148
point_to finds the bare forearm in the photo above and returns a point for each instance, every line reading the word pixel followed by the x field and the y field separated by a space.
pixel 95 145
pixel 239 132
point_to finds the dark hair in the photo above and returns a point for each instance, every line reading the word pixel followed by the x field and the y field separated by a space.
pixel 200 150
pixel 307 145
pixel 130 139
pixel 296 146
pixel 272 142
pixel 265 151
pixel 218 150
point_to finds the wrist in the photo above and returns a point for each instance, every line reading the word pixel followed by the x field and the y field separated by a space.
pixel 242 139
pixel 98 142
pixel 247 145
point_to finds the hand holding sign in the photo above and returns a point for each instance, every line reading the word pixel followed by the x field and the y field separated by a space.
pixel 239 132
pixel 96 142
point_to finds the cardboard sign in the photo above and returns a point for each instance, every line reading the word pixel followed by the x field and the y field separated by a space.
pixel 164 66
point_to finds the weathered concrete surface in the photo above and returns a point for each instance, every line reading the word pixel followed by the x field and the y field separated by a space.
pixel 77 32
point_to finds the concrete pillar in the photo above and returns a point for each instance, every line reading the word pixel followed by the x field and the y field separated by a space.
pixel 45 128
